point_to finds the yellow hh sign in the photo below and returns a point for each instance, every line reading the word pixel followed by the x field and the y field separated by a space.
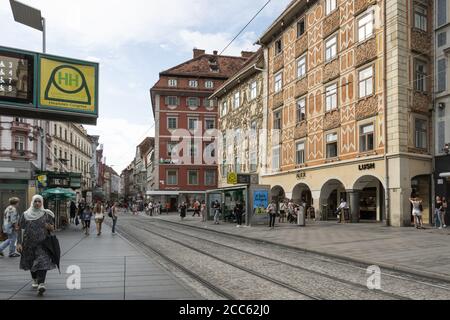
pixel 67 86
pixel 232 178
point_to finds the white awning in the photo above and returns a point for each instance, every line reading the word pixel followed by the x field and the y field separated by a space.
pixel 445 175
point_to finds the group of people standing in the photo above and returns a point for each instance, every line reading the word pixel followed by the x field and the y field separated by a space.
pixel 85 212
pixel 286 209
pixel 440 212
pixel 156 208
pixel 199 209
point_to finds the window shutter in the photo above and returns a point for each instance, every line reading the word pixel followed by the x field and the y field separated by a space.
pixel 442 75
pixel 441 136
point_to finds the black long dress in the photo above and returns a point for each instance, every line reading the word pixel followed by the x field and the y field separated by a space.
pixel 183 211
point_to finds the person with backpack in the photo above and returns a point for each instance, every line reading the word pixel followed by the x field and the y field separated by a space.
pixel 417 212
pixel 10 227
pixel 34 226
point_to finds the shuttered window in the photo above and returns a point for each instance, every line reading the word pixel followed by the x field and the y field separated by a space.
pixel 442 75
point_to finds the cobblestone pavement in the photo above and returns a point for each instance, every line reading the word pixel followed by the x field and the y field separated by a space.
pixel 425 252
pixel 111 269
pixel 225 260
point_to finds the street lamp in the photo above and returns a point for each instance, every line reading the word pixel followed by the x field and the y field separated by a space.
pixel 32 17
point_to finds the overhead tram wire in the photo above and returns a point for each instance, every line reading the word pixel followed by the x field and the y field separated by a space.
pixel 245 27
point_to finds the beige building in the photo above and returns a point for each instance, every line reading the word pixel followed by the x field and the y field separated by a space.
pixel 72 151
pixel 349 99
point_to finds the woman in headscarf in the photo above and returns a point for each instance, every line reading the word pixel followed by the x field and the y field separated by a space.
pixel 34 226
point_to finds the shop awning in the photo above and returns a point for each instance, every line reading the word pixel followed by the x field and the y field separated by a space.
pixel 445 175
pixel 236 187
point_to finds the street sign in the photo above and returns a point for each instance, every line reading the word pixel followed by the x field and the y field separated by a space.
pixel 232 178
pixel 41 86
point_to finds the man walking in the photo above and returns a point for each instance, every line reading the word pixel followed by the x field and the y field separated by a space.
pixel 216 208
pixel 10 227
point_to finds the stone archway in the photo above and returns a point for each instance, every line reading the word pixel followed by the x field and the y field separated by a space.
pixel 302 193
pixel 330 195
pixel 277 194
pixel 367 199
pixel 421 188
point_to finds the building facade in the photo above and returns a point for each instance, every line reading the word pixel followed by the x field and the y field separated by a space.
pixel 442 99
pixel 349 99
pixel 184 149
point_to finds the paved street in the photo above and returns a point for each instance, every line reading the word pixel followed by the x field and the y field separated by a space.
pixel 111 269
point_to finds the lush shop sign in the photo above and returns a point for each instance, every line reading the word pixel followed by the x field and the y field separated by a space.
pixel 368 166
pixel 40 86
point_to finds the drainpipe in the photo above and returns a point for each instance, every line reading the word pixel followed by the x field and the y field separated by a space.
pixel 386 162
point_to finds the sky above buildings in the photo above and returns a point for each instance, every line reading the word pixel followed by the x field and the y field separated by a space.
pixel 133 41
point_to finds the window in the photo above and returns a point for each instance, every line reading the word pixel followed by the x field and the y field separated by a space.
pixel 300 28
pixel 172 123
pixel 209 103
pixel 210 177
pixel 65 155
pixel 442 74
pixel 278 82
pixel 172 101
pixel 330 5
pixel 277 120
pixel 192 177
pixel 224 110
pixel 366 138
pixel 276 158
pixel 278 47
pixel 442 39
pixel 365 27
pixel 172 149
pixel 19 120
pixel 193 102
pixel 421 134
pixel 173 82
pixel 331 97
pixel 71 161
pixel 420 76
pixel 331 48
pixel 237 100
pixel 172 177
pixel 60 154
pixel 193 83
pixel 301 67
pixel 60 132
pixel 442 12
pixel 332 145
pixel 301 110
pixel 193 123
pixel 420 17
pixel 253 90
pixel 19 143
pixel 65 134
pixel 71 138
pixel 441 136
pixel 210 124
pixel 210 150
pixel 366 82
pixel 209 84
pixel 253 161
pixel 56 129
pixel 300 153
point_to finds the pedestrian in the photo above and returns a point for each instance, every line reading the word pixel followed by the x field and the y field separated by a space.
pixel 73 211
pixel 34 226
pixel 160 208
pixel 10 227
pixel 196 208
pixel 203 211
pixel 114 216
pixel 99 216
pixel 217 211
pixel 150 206
pixel 283 210
pixel 86 217
pixel 340 210
pixel 183 209
pixel 439 207
pixel 272 211
pixel 238 211
pixel 417 212
pixel 444 212
pixel 81 207
pixel 167 207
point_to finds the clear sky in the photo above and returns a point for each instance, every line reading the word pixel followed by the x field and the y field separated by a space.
pixel 133 41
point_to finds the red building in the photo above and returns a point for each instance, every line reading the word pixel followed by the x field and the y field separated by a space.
pixel 183 114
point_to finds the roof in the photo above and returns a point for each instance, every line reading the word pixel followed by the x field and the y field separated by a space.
pixel 292 12
pixel 247 70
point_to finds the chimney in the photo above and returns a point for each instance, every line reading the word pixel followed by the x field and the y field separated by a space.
pixel 198 52
pixel 246 54
pixel 215 52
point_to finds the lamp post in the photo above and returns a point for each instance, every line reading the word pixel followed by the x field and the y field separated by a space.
pixel 32 18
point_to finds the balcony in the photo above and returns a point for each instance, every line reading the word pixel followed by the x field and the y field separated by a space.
pixel 301 45
pixel 278 99
pixel 278 63
pixel 301 130
pixel 332 120
pixel 361 5
pixel 22 155
pixel 331 70
pixel 366 52
pixel 20 127
pixel 367 108
pixel 301 87
pixel 421 41
pixel 331 23
pixel 421 102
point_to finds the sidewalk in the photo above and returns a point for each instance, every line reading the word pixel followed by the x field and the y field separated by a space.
pixel 422 252
pixel 111 269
